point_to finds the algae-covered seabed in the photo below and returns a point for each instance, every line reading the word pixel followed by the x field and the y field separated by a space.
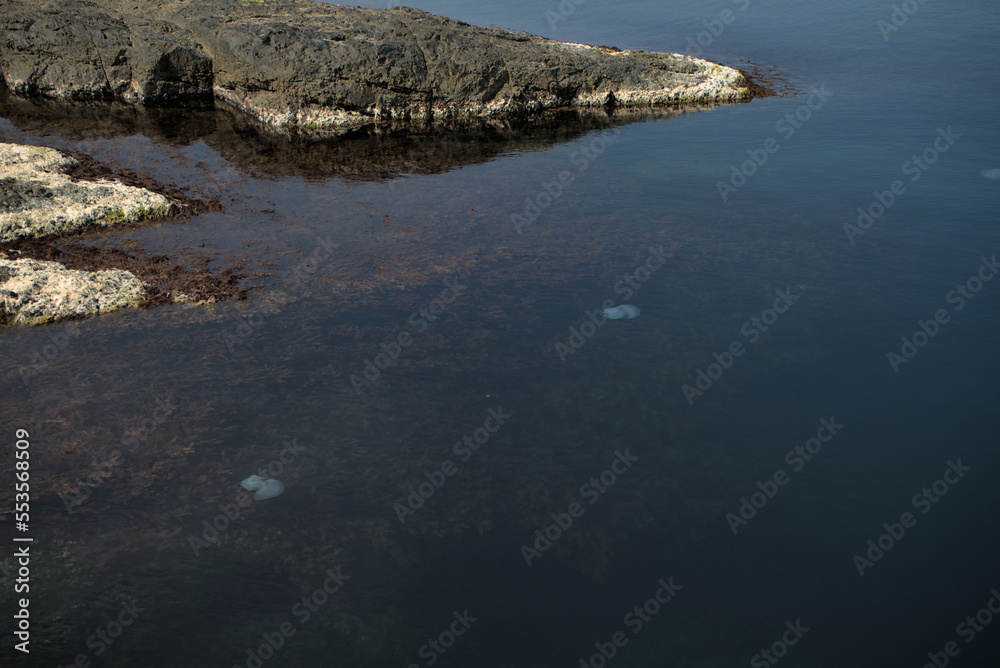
pixel 235 403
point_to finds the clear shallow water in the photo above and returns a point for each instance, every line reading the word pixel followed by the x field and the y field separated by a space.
pixel 495 346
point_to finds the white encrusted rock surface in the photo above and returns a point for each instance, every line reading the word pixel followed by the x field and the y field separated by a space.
pixel 37 199
pixel 33 292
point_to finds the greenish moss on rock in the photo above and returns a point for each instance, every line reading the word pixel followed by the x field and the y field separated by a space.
pixel 37 199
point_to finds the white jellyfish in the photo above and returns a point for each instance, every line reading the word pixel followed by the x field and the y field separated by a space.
pixel 621 311
pixel 265 488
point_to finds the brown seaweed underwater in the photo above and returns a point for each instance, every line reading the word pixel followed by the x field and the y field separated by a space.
pixel 143 422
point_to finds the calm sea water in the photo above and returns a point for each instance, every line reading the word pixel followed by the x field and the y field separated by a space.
pixel 687 465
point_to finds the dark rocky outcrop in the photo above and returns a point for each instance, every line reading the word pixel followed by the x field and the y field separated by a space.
pixel 79 50
pixel 307 65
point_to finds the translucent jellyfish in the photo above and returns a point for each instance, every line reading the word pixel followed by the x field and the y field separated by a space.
pixel 263 488
pixel 621 311
pixel 990 174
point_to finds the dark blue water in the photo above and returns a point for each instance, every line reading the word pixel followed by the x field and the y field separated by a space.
pixel 874 106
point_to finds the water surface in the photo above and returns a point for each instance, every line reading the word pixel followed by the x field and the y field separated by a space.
pixel 197 398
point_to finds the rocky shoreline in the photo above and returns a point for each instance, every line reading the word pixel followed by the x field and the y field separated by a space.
pixel 49 200
pixel 38 198
pixel 307 66
pixel 296 68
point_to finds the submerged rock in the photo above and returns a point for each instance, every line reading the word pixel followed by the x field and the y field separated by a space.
pixel 34 292
pixel 38 199
pixel 307 65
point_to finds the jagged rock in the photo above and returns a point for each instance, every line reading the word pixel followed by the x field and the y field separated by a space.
pixel 307 65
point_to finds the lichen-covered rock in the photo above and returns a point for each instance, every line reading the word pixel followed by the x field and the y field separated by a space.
pixel 37 199
pixel 34 292
pixel 311 66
